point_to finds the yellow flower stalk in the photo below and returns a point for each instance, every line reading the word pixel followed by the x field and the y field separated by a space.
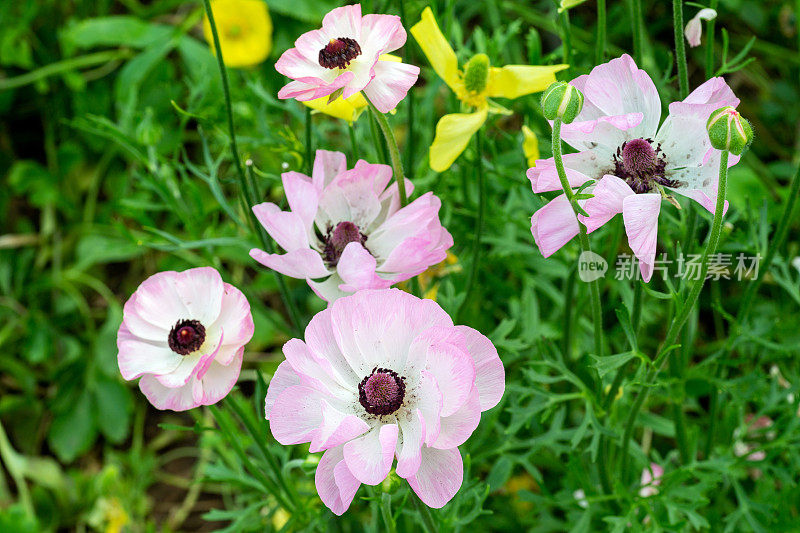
pixel 530 146
pixel 245 31
pixel 474 86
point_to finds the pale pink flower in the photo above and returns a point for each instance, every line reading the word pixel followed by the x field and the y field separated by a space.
pixel 634 161
pixel 651 479
pixel 694 29
pixel 346 229
pixel 345 55
pixel 381 375
pixel 184 334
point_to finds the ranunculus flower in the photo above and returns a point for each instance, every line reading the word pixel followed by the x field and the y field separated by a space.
pixel 245 31
pixel 184 334
pixel 635 161
pixel 344 57
pixel 381 375
pixel 346 229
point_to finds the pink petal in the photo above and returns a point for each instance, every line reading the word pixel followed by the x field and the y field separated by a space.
pixel 356 267
pixel 429 403
pixel 304 263
pixel 201 290
pixel 343 21
pixel 335 484
pixel 640 214
pixel 409 445
pixel 194 364
pixel 296 414
pixel 158 301
pixel 454 371
pixel 439 476
pixel 317 371
pixel 390 85
pixel 321 340
pixel 606 132
pixel 283 378
pixel 609 193
pixel 337 428
pixel 383 33
pixel 328 289
pixel 327 165
pixel 236 322
pixel 369 458
pixel 554 225
pixel 579 168
pixel 302 197
pixel 286 227
pixel 457 427
pixel 140 327
pixel 490 376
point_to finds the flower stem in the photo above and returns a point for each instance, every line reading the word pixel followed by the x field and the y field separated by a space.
pixel 476 245
pixel 245 186
pixel 394 152
pixel 600 48
pixel 566 38
pixel 636 29
pixel 594 287
pixel 309 144
pixel 680 47
pixel 386 512
pixel 425 514
pixel 710 43
pixel 681 317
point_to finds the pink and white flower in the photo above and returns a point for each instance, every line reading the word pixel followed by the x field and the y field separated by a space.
pixel 344 57
pixel 184 334
pixel 651 479
pixel 381 375
pixel 635 162
pixel 346 229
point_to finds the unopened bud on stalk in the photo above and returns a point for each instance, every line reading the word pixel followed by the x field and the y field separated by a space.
pixel 727 130
pixel 562 100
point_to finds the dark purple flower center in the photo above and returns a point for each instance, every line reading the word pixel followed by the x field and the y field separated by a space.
pixel 641 165
pixel 338 238
pixel 382 392
pixel 186 336
pixel 339 52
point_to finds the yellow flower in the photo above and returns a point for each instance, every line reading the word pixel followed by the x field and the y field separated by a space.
pixel 245 31
pixel 530 146
pixel 474 86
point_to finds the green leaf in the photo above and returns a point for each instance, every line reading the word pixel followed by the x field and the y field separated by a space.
pixel 113 405
pixel 73 431
pixel 114 31
pixel 608 363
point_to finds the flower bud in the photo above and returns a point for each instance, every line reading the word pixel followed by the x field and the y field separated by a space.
pixel 562 100
pixel 727 130
pixel 476 73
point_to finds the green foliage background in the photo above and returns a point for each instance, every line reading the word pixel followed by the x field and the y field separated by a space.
pixel 115 165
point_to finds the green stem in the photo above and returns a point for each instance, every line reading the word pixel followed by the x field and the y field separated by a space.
pixel 594 287
pixel 429 525
pixel 569 295
pixel 408 57
pixel 309 143
pixel 65 65
pixel 394 152
pixel 636 29
pixel 566 38
pixel 386 512
pixel 244 185
pixel 600 48
pixel 682 315
pixel 711 26
pixel 476 244
pixel 680 47
pixel 353 142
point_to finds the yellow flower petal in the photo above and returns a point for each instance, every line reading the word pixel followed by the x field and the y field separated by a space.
pixel 453 132
pixel 245 31
pixel 513 81
pixel 436 48
pixel 530 145
pixel 348 110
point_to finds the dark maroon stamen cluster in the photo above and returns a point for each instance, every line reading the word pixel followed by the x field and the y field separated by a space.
pixel 382 392
pixel 186 336
pixel 338 238
pixel 339 52
pixel 641 165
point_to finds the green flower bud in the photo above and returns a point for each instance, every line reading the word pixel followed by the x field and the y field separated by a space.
pixel 562 100
pixel 727 130
pixel 476 73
